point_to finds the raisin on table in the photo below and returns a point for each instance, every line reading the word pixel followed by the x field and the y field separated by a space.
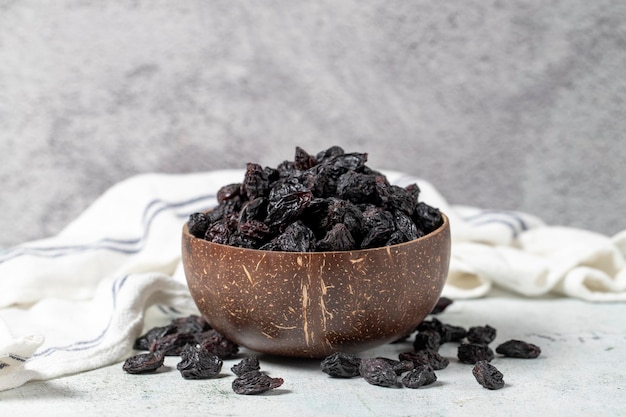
pixel 419 376
pixel 488 375
pixel 341 365
pixel 481 334
pixel 377 371
pixel 518 349
pixel 247 364
pixel 144 362
pixel 255 382
pixel 198 363
pixel 471 353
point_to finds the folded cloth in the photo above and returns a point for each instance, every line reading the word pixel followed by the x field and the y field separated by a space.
pixel 78 300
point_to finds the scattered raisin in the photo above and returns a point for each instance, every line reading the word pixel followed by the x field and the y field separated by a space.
pixel 474 352
pixel 419 376
pixel 341 365
pixel 426 357
pixel 518 349
pixel 198 363
pixel 216 343
pixel 255 382
pixel 481 334
pixel 144 362
pixel 378 371
pixel 488 375
pixel 427 339
pixel 247 364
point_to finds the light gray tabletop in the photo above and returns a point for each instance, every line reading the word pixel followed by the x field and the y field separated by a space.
pixel 580 372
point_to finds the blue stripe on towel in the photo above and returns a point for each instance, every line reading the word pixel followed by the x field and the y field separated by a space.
pixel 509 219
pixel 91 343
pixel 126 246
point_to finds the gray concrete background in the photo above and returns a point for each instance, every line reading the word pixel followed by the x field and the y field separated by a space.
pixel 500 104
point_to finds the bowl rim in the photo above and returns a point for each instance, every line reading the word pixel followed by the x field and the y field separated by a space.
pixel 445 224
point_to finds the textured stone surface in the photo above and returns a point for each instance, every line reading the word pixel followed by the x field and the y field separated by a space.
pixel 500 104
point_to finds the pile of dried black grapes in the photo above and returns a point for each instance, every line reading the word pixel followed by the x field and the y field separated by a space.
pixel 203 349
pixel 331 201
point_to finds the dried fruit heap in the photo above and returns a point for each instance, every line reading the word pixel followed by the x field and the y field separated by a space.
pixel 328 202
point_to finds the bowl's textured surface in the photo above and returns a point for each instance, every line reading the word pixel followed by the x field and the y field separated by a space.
pixel 316 303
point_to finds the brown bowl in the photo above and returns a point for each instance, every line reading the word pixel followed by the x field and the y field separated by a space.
pixel 311 304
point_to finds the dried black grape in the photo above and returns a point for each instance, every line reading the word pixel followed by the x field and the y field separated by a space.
pixel 488 375
pixel 341 365
pixel 378 225
pixel 247 364
pixel 256 182
pixel 288 208
pixel 296 238
pixel 442 304
pixel 481 334
pixel 302 160
pixel 228 192
pixel 198 223
pixel 219 232
pixel 172 344
pixel 427 339
pixel 338 238
pixel 255 382
pixel 419 376
pixel 346 213
pixel 217 343
pixel 377 371
pixel 447 332
pixel 256 230
pixel 253 210
pixel 357 188
pixel 146 340
pixel 144 362
pixel 518 349
pixel 343 163
pixel 329 153
pixel 399 366
pixel 454 333
pixel 426 357
pixel 198 363
pixel 427 218
pixel 474 352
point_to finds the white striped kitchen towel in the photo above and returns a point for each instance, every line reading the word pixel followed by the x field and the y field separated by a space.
pixel 77 301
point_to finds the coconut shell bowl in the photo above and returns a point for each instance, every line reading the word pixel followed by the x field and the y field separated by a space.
pixel 311 304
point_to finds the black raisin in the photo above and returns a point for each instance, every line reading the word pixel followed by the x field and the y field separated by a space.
pixel 474 352
pixel 426 357
pixel 197 224
pixel 144 362
pixel 377 371
pixel 518 349
pixel 198 363
pixel 217 343
pixel 481 334
pixel 488 375
pixel 247 364
pixel 255 382
pixel 341 365
pixel 419 376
